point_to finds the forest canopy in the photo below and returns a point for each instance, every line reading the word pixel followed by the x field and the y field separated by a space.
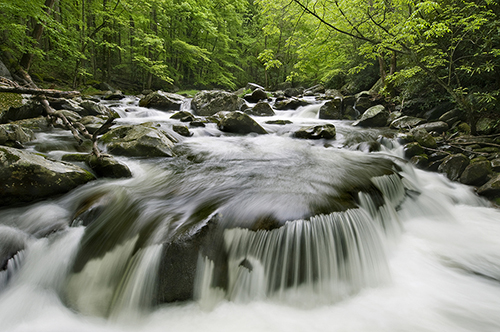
pixel 436 50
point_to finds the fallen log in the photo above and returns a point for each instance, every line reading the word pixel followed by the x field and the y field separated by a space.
pixel 38 92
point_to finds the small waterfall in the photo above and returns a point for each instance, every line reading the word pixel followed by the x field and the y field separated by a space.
pixel 13 266
pixel 328 256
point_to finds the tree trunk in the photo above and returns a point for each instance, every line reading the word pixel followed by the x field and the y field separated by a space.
pixel 27 58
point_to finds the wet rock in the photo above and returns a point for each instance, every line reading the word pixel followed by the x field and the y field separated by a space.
pixel 36 124
pixel 163 101
pixel 114 95
pixel 477 173
pixel 364 101
pixel 92 123
pixel 70 115
pixel 29 108
pixel 183 116
pixel 332 109
pixel 26 176
pixel 375 116
pixel 199 124
pixel 208 103
pixel 290 104
pixel 453 166
pixel 420 161
pixel 293 92
pixel 281 122
pixel 239 123
pixel 423 138
pixel 138 141
pixel 406 122
pixel 108 167
pixel 412 149
pixel 96 109
pixel 256 96
pixel 438 127
pixel 495 164
pixel 10 133
pixel 182 130
pixel 67 104
pixel 490 189
pixel 262 108
pixel 326 131
pixel 316 89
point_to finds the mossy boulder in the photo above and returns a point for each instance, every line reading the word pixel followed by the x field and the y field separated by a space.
pixel 183 116
pixel 332 109
pixel 453 166
pixel 96 109
pixel 108 167
pixel 25 108
pixel 142 140
pixel 10 133
pixel 25 176
pixel 476 173
pixel 163 101
pixel 256 96
pixel 262 108
pixel 239 123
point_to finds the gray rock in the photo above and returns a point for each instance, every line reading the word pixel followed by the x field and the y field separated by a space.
pixel 453 166
pixel 108 167
pixel 318 88
pixel 26 176
pixel 183 116
pixel 476 173
pixel 438 127
pixel 407 122
pixel 332 109
pixel 420 161
pixel 163 101
pixel 15 133
pixel 375 116
pixel 423 138
pixel 95 109
pixel 333 94
pixel 290 104
pixel 4 72
pixel 412 149
pixel 495 164
pixel 451 117
pixel 262 108
pixel 138 141
pixel 182 130
pixel 326 131
pixel 208 103
pixel 30 108
pixel 293 92
pixel 92 123
pixel 239 123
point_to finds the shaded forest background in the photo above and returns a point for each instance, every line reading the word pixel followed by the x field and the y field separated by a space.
pixel 445 50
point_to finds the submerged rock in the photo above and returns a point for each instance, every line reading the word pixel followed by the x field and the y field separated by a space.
pixel 208 103
pixel 25 176
pixel 239 123
pixel 163 101
pixel 138 141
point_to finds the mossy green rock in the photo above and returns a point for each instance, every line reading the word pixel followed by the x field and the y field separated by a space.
pixel 108 167
pixel 412 149
pixel 476 174
pixel 326 131
pixel 138 141
pixel 486 126
pixel 453 166
pixel 424 138
pixel 262 108
pixel 490 189
pixel 15 133
pixel 240 123
pixel 162 101
pixel 25 176
pixel 332 109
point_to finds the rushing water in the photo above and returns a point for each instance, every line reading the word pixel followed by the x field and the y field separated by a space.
pixel 296 254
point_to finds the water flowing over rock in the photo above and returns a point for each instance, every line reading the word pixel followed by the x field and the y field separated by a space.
pixel 26 176
pixel 375 116
pixel 239 123
pixel 163 101
pixel 138 141
pixel 262 108
pixel 11 133
pixel 208 103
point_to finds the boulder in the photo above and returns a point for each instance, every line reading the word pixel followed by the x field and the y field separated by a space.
pixel 239 123
pixel 262 108
pixel 108 167
pixel 491 188
pixel 451 117
pixel 26 176
pixel 182 130
pixel 114 95
pixel 184 116
pixel 208 103
pixel 453 166
pixel 486 126
pixel 256 96
pixel 96 109
pixel 326 131
pixel 318 88
pixel 476 173
pixel 293 92
pixel 332 109
pixel 375 116
pixel 423 138
pixel 138 141
pixel 438 127
pixel 412 149
pixel 28 108
pixel 333 94
pixel 290 104
pixel 163 101
pixel 406 122
pixel 10 133
pixel 364 102
pixel 420 161
pixel 92 123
